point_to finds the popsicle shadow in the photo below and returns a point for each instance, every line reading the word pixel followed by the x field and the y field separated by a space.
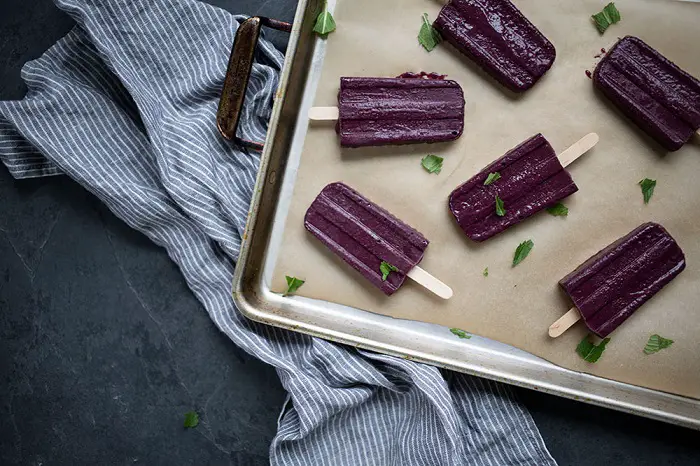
pixel 646 139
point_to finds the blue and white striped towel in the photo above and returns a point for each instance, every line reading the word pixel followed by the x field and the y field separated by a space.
pixel 125 105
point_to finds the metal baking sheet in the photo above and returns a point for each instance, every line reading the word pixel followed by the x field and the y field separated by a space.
pixel 414 340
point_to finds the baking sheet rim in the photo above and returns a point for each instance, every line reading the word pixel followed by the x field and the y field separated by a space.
pixel 259 290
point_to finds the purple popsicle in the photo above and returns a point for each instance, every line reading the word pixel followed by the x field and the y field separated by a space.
pixel 657 95
pixel 363 235
pixel 610 286
pixel 498 38
pixel 532 178
pixel 393 111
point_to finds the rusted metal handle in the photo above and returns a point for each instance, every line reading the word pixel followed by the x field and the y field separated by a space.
pixel 238 74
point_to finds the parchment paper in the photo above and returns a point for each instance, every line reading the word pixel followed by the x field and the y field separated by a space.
pixel 515 305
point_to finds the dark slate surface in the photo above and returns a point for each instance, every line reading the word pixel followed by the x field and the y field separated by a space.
pixel 103 348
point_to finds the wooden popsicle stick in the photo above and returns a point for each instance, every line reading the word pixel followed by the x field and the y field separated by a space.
pixel 423 278
pixel 324 113
pixel 564 323
pixel 579 148
pixel 697 133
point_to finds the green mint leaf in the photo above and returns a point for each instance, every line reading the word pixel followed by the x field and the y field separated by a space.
pixel 191 419
pixel 589 351
pixel 656 343
pixel 491 178
pixel 325 23
pixel 428 36
pixel 432 163
pixel 612 12
pixel 601 22
pixel 647 188
pixel 609 15
pixel 293 284
pixel 500 211
pixel 486 272
pixel 558 210
pixel 522 251
pixel 460 333
pixel 386 268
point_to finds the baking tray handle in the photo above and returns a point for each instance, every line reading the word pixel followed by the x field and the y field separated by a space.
pixel 238 74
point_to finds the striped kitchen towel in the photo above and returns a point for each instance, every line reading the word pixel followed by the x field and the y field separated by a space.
pixel 125 105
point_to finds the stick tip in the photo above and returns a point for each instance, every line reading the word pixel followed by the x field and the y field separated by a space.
pixel 446 293
pixel 555 331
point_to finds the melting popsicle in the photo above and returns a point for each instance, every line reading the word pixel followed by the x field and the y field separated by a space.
pixel 394 111
pixel 498 38
pixel 532 178
pixel 610 286
pixel 652 91
pixel 364 235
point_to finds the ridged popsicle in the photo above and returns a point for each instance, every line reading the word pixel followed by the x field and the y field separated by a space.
pixel 364 234
pixel 610 286
pixel 652 91
pixel 498 38
pixel 394 111
pixel 532 179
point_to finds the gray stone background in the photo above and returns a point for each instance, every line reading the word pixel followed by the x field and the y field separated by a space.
pixel 103 348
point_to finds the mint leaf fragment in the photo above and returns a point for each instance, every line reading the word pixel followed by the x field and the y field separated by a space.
pixel 460 333
pixel 486 272
pixel 491 178
pixel 558 210
pixel 589 351
pixel 432 163
pixel 500 210
pixel 656 343
pixel 386 268
pixel 647 188
pixel 428 36
pixel 325 23
pixel 522 251
pixel 609 15
pixel 191 419
pixel 293 284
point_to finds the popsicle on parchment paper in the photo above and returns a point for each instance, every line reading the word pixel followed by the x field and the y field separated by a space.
pixel 531 178
pixel 652 91
pixel 498 38
pixel 366 236
pixel 395 111
pixel 610 286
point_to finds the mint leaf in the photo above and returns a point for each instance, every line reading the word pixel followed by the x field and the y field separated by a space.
pixel 609 15
pixel 612 12
pixel 647 188
pixel 486 272
pixel 558 210
pixel 656 343
pixel 386 268
pixel 432 163
pixel 293 284
pixel 428 36
pixel 460 333
pixel 522 251
pixel 491 178
pixel 589 351
pixel 325 23
pixel 500 211
pixel 191 419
